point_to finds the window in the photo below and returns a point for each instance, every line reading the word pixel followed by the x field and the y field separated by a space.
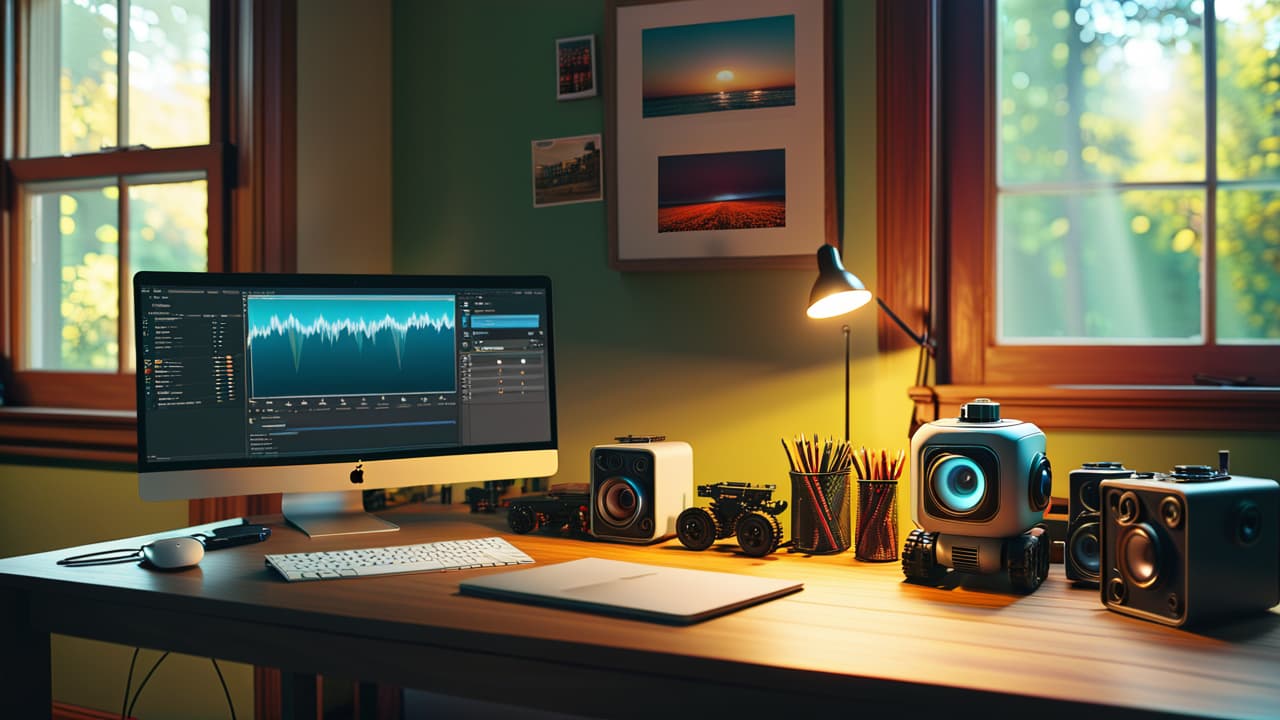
pixel 1108 204
pixel 138 134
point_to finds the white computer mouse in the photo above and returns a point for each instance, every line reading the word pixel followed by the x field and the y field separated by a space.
pixel 173 553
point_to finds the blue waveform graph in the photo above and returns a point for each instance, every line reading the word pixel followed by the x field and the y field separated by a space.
pixel 351 345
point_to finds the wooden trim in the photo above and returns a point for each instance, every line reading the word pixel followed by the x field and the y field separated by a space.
pixel 1113 407
pixel 55 389
pixel 116 163
pixel 101 436
pixel 966 165
pixel 904 157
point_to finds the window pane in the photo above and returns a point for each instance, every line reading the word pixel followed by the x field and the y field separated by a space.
pixel 169 72
pixel 1248 266
pixel 1248 89
pixel 76 71
pixel 1100 268
pixel 81 96
pixel 1101 90
pixel 73 251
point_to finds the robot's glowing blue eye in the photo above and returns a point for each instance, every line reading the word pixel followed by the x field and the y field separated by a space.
pixel 958 484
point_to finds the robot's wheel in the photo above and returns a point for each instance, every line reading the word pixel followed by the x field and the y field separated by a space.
pixel 522 519
pixel 759 534
pixel 582 521
pixel 1028 560
pixel 919 563
pixel 697 528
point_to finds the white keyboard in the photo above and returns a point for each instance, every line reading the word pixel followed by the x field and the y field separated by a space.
pixel 424 557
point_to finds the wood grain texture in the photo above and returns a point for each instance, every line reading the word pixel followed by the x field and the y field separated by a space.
pixel 855 634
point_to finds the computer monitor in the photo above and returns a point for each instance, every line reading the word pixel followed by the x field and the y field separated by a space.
pixel 322 386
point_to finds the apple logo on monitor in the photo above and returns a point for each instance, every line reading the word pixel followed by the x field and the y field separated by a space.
pixel 357 475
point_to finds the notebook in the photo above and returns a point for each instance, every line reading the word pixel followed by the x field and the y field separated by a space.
pixel 646 592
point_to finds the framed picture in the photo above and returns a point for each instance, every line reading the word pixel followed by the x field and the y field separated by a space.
pixel 576 67
pixel 567 170
pixel 720 133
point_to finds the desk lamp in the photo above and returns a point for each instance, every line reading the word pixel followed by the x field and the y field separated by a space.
pixel 838 291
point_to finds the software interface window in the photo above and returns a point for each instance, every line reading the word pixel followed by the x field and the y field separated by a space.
pixel 238 374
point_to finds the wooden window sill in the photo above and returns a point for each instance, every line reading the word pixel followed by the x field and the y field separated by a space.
pixel 66 434
pixel 1114 407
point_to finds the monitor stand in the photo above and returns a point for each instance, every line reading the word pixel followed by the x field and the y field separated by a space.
pixel 332 513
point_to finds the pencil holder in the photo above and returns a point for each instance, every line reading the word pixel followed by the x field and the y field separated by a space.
pixel 820 512
pixel 877 539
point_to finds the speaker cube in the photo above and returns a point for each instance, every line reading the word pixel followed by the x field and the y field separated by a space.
pixel 638 490
pixel 1179 552
pixel 1083 542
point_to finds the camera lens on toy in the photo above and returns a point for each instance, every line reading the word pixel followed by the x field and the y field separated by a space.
pixel 957 483
pixel 1041 482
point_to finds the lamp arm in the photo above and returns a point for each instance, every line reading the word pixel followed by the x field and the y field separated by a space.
pixel 922 340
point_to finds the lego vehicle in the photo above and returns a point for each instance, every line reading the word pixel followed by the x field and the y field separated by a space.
pixel 980 486
pixel 737 508
pixel 562 510
pixel 489 497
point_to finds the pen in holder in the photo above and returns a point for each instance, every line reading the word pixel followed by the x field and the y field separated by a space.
pixel 877 536
pixel 819 494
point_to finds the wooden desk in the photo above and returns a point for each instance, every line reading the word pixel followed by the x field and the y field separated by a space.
pixel 855 639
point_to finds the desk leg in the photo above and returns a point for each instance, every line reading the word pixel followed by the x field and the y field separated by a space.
pixel 25 669
pixel 300 696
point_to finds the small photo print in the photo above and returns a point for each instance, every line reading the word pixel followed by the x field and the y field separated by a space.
pixel 575 67
pixel 722 191
pixel 567 170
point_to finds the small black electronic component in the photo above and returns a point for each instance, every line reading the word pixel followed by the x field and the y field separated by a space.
pixel 640 438
pixel 737 508
pixel 232 535
pixel 559 510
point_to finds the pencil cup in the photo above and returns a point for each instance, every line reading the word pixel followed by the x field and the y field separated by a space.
pixel 820 512
pixel 877 539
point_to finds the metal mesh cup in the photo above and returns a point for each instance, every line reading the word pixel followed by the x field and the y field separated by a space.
pixel 877 539
pixel 820 512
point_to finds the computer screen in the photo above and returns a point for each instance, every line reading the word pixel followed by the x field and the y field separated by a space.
pixel 313 385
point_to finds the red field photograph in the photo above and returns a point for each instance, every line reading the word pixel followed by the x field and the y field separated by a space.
pixel 722 191
pixel 723 215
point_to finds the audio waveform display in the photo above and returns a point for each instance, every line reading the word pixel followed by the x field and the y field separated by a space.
pixel 351 345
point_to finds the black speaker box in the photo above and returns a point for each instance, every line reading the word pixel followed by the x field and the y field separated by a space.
pixel 1084 544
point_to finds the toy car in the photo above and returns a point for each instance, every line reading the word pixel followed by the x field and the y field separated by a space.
pixel 737 508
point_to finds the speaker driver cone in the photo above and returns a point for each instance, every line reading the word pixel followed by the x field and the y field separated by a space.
pixel 618 501
pixel 1139 556
pixel 1084 550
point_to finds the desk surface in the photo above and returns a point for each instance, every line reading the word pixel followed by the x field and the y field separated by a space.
pixel 855 637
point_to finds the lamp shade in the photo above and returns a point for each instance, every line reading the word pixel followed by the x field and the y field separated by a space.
pixel 836 291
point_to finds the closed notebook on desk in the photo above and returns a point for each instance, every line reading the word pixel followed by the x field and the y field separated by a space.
pixel 645 592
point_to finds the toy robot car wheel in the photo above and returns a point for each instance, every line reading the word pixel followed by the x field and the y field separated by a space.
pixel 522 519
pixel 759 534
pixel 1028 560
pixel 697 528
pixel 919 563
pixel 583 522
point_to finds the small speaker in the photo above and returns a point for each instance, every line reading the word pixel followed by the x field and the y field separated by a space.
pixel 1083 541
pixel 1188 546
pixel 638 489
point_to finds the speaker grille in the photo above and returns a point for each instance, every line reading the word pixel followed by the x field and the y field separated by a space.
pixel 965 559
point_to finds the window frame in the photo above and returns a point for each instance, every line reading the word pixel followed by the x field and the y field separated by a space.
pixel 949 202
pixel 249 165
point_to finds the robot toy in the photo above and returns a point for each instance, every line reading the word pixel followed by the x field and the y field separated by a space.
pixel 980 488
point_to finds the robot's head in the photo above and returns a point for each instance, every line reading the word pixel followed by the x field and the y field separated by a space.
pixel 979 475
